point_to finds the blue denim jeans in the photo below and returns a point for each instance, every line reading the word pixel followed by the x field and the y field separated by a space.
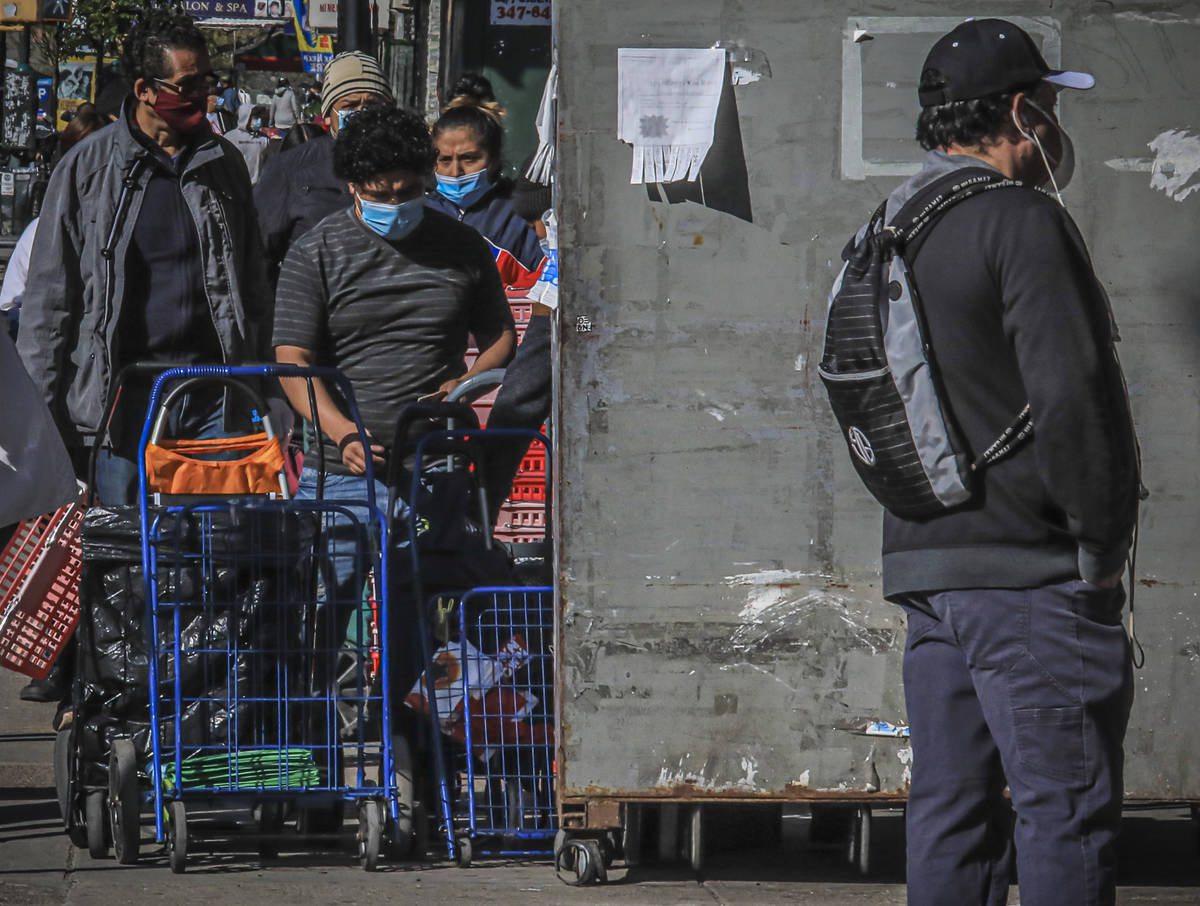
pixel 342 596
pixel 1032 687
pixel 344 536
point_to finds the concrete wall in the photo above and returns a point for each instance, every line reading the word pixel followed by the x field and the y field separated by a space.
pixel 723 629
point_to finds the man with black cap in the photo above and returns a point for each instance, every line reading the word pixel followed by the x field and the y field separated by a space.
pixel 298 188
pixel 1017 669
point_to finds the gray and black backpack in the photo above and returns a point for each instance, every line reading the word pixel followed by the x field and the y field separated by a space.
pixel 880 372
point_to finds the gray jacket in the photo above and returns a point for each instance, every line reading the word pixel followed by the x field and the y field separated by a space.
pixel 76 287
pixel 285 111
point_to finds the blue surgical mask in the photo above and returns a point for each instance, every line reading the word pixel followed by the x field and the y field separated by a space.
pixel 343 117
pixel 456 188
pixel 392 221
pixel 256 124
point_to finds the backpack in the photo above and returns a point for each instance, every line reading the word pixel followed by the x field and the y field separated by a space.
pixel 881 374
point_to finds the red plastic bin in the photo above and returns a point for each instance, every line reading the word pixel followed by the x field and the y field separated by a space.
pixel 528 489
pixel 39 589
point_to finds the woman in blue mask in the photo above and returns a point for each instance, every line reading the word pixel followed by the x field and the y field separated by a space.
pixel 469 140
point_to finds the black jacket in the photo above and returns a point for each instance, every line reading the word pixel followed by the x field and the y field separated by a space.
pixel 297 190
pixel 1015 313
pixel 515 245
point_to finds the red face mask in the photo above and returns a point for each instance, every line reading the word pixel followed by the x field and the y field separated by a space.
pixel 182 114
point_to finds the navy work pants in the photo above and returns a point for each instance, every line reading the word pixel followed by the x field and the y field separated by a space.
pixel 1030 687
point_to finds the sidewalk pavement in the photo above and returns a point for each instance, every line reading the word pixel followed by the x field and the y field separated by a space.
pixel 26 737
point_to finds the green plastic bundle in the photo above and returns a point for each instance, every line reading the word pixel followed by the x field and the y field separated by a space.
pixel 247 769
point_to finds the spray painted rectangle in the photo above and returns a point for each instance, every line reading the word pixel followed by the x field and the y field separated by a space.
pixel 881 65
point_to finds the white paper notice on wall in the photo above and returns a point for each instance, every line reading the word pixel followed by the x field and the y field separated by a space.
pixel 667 108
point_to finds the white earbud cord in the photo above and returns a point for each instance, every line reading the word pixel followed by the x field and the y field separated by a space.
pixel 1037 143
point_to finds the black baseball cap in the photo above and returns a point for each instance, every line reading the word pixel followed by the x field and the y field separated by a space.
pixel 984 57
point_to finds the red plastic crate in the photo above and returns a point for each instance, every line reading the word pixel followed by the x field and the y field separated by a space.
pixel 522 310
pixel 521 522
pixel 39 589
pixel 534 461
pixel 522 516
pixel 529 488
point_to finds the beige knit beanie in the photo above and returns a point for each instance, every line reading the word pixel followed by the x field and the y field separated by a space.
pixel 349 73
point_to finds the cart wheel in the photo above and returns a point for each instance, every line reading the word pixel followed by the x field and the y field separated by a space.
pixel 270 827
pixel 124 806
pixel 695 848
pixel 177 836
pixel 576 864
pixel 97 825
pixel 62 773
pixel 466 852
pixel 64 788
pixel 860 840
pixel 370 833
pixel 631 837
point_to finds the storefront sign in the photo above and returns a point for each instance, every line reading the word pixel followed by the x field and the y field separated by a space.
pixel 504 13
pixel 315 50
pixel 322 15
pixel 315 61
pixel 220 9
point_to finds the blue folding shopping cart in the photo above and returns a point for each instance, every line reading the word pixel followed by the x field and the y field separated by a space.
pixel 247 634
pixel 488 688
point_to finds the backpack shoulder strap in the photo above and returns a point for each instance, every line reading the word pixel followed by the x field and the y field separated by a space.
pixel 873 226
pixel 928 205
pixel 922 211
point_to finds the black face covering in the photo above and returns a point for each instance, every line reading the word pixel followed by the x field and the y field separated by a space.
pixel 1064 167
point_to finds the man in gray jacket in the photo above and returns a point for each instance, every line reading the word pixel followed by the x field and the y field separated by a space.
pixel 148 249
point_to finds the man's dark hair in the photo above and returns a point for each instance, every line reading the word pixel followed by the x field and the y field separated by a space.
pixel 968 123
pixel 157 30
pixel 379 139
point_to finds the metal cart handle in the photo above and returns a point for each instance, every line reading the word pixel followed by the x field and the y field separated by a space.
pixel 183 386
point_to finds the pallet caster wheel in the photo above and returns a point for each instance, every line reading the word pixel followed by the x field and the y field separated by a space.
pixel 370 834
pixel 860 840
pixel 270 827
pixel 177 836
pixel 795 828
pixel 124 802
pixel 96 823
pixel 578 862
pixel 695 841
pixel 465 852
